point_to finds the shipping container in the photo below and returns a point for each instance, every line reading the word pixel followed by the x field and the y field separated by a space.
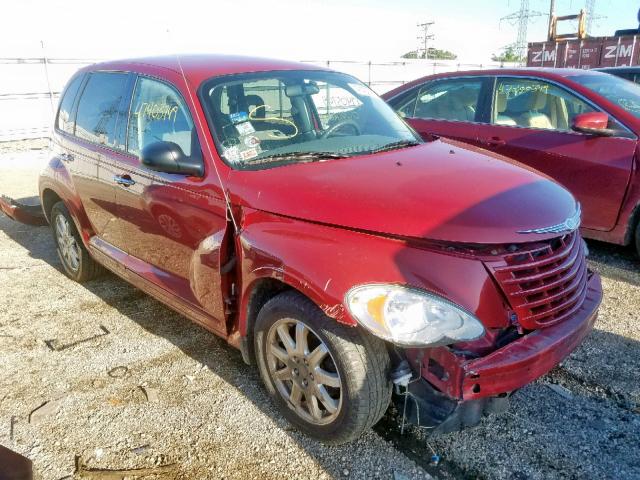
pixel 587 53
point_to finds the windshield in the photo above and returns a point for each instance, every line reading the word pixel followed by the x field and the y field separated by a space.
pixel 263 120
pixel 617 90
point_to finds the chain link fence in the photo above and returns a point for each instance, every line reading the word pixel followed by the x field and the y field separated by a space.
pixel 30 87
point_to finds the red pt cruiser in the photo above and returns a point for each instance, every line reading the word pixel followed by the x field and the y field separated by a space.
pixel 579 127
pixel 289 210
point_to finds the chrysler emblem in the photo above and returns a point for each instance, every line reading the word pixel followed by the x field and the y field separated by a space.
pixel 569 225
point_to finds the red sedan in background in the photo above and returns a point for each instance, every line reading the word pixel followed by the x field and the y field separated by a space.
pixel 579 127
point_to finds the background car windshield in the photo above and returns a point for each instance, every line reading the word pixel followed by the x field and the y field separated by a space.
pixel 268 119
pixel 617 90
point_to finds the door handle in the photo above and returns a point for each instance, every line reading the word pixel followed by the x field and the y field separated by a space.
pixel 496 142
pixel 124 180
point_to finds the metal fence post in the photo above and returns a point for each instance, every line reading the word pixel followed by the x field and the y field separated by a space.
pixel 46 74
pixel 327 92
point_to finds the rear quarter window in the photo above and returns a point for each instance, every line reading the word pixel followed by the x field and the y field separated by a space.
pixel 64 121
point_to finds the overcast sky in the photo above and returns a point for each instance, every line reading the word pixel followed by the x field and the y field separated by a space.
pixel 296 29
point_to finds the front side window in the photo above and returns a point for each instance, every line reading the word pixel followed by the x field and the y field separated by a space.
pixel 64 121
pixel 530 103
pixel 615 89
pixel 455 99
pixel 99 107
pixel 159 114
pixel 261 120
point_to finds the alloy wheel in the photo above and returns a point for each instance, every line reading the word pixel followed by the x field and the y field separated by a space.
pixel 67 244
pixel 304 371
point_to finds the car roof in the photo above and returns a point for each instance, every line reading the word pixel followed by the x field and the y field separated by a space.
pixel 200 67
pixel 623 68
pixel 541 71
pixel 549 73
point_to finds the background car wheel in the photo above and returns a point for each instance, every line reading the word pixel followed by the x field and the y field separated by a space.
pixel 329 380
pixel 77 263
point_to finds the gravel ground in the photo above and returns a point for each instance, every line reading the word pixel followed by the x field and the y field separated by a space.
pixel 144 388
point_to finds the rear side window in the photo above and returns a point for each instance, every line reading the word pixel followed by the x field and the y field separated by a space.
pixel 405 103
pixel 455 99
pixel 159 114
pixel 99 106
pixel 449 100
pixel 64 121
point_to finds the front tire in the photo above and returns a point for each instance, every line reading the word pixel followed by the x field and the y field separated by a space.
pixel 637 239
pixel 77 263
pixel 329 380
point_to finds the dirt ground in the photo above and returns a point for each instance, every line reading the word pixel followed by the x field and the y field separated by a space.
pixel 99 377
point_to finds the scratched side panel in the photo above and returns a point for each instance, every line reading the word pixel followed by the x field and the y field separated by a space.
pixel 177 227
pixel 325 262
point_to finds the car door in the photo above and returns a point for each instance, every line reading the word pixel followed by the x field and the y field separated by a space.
pixel 172 226
pixel 531 122
pixel 448 107
pixel 99 110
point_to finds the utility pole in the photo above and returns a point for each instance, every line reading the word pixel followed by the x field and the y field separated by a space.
pixel 423 39
pixel 552 12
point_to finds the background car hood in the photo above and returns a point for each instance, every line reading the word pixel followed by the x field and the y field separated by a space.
pixel 438 191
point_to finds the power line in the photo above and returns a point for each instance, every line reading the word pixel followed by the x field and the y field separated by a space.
pixel 521 19
pixel 590 7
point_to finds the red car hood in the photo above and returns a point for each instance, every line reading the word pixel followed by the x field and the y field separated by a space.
pixel 438 191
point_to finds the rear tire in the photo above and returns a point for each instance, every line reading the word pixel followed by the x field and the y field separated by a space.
pixel 77 263
pixel 637 239
pixel 350 390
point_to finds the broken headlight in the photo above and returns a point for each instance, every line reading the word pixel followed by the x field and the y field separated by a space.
pixel 410 317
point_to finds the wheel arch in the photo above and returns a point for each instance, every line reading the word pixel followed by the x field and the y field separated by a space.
pixel 263 289
pixel 256 296
pixel 49 198
pixel 53 192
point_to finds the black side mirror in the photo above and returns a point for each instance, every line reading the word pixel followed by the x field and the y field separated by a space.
pixel 168 157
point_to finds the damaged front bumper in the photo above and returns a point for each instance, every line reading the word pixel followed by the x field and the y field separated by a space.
pixel 455 391
pixel 26 210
